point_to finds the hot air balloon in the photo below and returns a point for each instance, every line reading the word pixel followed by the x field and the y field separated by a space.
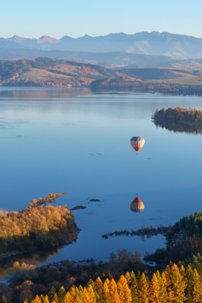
pixel 137 205
pixel 137 143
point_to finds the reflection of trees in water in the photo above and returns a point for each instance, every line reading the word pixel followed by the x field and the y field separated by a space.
pixel 179 120
pixel 141 232
pixel 40 92
pixel 25 262
pixel 39 228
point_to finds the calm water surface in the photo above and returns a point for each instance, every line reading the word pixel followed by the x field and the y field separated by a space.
pixel 54 141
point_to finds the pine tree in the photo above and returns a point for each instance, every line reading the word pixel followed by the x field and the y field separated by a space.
pixel 154 290
pixel 61 293
pixel 128 277
pixel 85 296
pixel 37 299
pixel 51 293
pixel 72 296
pixel 182 271
pixel 189 282
pixel 91 293
pixel 68 298
pixel 143 289
pixel 163 296
pixel 197 288
pixel 45 299
pixel 178 284
pixel 105 289
pixel 98 290
pixel 55 299
pixel 134 287
pixel 123 290
pixel 113 292
pixel 166 278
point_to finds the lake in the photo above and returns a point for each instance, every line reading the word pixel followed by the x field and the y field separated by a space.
pixel 63 140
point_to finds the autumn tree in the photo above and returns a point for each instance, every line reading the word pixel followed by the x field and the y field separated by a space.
pixel 178 284
pixel 197 287
pixel 123 290
pixel 154 290
pixel 143 289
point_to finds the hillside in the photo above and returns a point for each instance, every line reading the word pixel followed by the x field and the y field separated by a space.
pixel 185 81
pixel 48 72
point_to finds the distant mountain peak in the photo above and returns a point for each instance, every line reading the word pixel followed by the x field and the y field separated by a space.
pixel 152 43
pixel 17 38
pixel 47 39
pixel 66 37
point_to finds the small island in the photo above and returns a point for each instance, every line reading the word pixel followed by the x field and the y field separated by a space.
pixel 38 228
pixel 179 119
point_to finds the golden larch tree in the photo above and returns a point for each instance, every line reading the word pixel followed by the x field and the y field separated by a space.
pixel 197 288
pixel 124 290
pixel 143 289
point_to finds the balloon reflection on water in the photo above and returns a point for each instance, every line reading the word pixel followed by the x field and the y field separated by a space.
pixel 137 205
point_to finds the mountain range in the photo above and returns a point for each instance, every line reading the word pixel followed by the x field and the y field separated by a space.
pixel 118 49
pixel 142 62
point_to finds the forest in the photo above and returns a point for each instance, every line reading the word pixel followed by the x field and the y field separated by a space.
pixel 179 119
pixel 175 274
pixel 174 284
pixel 36 228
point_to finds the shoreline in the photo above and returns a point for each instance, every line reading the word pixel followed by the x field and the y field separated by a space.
pixel 88 91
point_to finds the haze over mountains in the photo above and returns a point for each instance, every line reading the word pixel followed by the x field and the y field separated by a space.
pixel 111 49
pixel 143 62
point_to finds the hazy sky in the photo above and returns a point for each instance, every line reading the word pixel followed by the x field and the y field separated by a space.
pixel 34 18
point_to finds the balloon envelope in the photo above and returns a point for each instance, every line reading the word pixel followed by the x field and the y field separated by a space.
pixel 137 205
pixel 137 143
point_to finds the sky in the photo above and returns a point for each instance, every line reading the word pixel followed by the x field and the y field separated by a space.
pixel 56 18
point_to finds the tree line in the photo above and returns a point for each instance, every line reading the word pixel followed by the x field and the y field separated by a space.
pixel 174 284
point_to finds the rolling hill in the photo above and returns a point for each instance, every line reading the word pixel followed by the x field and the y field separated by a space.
pixel 48 72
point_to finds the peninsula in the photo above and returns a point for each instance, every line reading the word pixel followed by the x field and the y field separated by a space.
pixel 39 227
